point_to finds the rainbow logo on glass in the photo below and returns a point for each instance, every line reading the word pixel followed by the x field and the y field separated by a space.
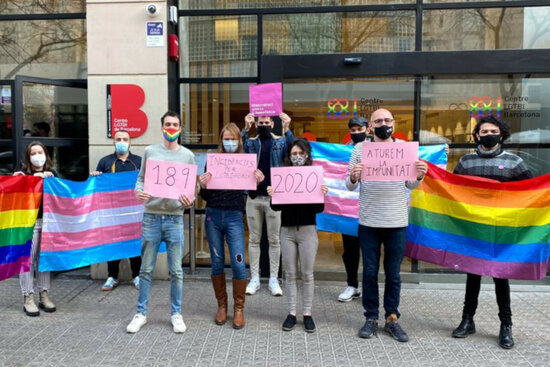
pixel 483 106
pixel 339 108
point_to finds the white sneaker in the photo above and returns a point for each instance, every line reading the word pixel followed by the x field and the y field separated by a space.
pixel 178 324
pixel 110 284
pixel 349 294
pixel 136 282
pixel 253 286
pixel 274 287
pixel 137 322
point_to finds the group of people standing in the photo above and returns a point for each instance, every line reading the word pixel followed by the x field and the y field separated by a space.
pixel 291 229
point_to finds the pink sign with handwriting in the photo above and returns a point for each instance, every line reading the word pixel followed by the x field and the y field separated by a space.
pixel 297 185
pixel 231 171
pixel 170 179
pixel 389 161
pixel 266 99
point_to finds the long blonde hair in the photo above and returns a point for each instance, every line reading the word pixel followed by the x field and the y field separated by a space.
pixel 235 132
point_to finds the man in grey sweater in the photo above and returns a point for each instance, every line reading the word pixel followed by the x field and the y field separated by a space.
pixel 162 221
pixel 383 218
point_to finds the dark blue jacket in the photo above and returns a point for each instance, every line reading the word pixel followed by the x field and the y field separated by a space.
pixel 279 149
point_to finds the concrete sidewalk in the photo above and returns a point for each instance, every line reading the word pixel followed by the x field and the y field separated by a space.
pixel 88 329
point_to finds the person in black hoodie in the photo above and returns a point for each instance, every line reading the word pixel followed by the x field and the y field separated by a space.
pixel 299 241
pixel 224 218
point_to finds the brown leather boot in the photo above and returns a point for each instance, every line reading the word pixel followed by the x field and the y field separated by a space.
pixel 239 288
pixel 218 281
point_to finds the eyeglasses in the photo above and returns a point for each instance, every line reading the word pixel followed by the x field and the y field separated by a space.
pixel 387 121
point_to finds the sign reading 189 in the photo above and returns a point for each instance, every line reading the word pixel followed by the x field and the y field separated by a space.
pixel 339 108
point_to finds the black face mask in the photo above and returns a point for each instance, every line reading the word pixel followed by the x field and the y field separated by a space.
pixel 264 131
pixel 358 137
pixel 383 132
pixel 489 141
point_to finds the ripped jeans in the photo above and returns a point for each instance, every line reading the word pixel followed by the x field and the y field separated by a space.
pixel 222 223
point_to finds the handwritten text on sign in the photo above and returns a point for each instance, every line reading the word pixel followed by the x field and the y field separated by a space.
pixel 266 99
pixel 389 161
pixel 297 185
pixel 170 179
pixel 231 171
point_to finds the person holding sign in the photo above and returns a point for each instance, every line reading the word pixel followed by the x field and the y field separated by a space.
pixel 299 241
pixel 383 218
pixel 271 150
pixel 163 221
pixel 224 218
pixel 120 161
pixel 37 163
pixel 490 161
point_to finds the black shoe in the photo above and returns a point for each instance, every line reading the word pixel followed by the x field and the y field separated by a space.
pixel 309 325
pixel 290 322
pixel 369 329
pixel 394 329
pixel 466 327
pixel 505 339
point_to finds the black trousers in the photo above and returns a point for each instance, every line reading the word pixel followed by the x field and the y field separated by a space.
pixel 502 290
pixel 351 257
pixel 135 264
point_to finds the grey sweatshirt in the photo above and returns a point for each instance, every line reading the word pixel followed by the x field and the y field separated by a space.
pixel 159 152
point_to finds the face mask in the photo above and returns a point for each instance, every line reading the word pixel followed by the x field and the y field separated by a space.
pixel 230 146
pixel 489 141
pixel 264 131
pixel 383 132
pixel 358 137
pixel 171 134
pixel 122 147
pixel 297 160
pixel 38 160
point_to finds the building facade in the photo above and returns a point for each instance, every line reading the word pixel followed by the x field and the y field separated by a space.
pixel 436 64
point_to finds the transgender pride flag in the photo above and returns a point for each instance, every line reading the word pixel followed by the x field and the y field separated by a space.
pixel 341 205
pixel 90 222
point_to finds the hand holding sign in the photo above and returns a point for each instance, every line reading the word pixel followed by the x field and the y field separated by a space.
pixel 389 161
pixel 171 180
pixel 297 185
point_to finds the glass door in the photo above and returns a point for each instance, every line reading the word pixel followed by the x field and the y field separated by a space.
pixel 54 112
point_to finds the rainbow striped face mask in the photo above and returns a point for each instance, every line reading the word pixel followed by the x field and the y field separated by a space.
pixel 171 134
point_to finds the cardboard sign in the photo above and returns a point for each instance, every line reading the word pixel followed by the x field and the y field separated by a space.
pixel 297 185
pixel 231 171
pixel 266 99
pixel 170 179
pixel 389 161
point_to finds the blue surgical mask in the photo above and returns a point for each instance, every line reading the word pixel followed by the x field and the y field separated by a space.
pixel 230 146
pixel 122 147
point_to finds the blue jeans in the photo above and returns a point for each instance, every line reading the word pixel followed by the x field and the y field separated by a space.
pixel 156 228
pixel 228 223
pixel 371 240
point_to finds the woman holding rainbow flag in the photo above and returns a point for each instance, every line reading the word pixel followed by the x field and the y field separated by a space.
pixel 490 161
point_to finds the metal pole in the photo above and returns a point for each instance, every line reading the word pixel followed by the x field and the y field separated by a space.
pixel 192 248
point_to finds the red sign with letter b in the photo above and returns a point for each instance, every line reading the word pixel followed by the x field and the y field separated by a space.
pixel 123 109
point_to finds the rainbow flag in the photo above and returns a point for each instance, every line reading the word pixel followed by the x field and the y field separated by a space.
pixel 481 226
pixel 341 205
pixel 90 222
pixel 20 199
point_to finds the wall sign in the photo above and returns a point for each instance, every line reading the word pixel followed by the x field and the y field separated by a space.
pixel 123 109
pixel 155 34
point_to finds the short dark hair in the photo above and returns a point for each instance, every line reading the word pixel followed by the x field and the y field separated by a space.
pixel 503 126
pixel 171 114
pixel 306 148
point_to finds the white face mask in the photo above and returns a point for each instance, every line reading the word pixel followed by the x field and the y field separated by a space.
pixel 38 160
